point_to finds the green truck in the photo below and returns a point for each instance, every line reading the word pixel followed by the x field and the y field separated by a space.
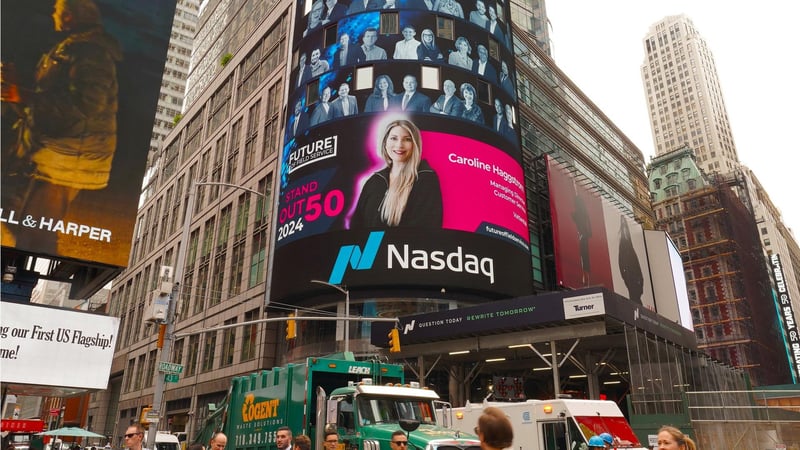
pixel 365 401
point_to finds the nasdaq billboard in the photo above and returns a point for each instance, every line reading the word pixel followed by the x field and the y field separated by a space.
pixel 401 160
pixel 80 84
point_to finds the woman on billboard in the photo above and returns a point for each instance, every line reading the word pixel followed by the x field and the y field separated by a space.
pixel 471 111
pixel 404 193
pixel 382 96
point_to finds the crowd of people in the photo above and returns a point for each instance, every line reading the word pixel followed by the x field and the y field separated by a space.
pixel 347 52
pixel 494 430
pixel 384 98
pixel 483 14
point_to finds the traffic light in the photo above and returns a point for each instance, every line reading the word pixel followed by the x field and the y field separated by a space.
pixel 291 328
pixel 394 340
pixel 143 417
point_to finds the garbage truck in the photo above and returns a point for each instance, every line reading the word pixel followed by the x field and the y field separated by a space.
pixel 560 424
pixel 364 401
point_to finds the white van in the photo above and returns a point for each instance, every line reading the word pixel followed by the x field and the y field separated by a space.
pixel 165 441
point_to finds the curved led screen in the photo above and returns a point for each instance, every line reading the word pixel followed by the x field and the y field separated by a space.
pixel 401 163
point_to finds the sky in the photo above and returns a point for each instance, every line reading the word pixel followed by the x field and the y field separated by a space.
pixel 598 44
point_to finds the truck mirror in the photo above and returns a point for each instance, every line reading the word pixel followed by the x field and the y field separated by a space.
pixel 409 425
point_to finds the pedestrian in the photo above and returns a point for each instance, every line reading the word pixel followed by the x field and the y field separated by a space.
pixel 331 441
pixel 196 446
pixel 596 443
pixel 399 440
pixel 302 442
pixel 283 438
pixel 134 436
pixel 607 439
pixel 494 429
pixel 218 441
pixel 671 438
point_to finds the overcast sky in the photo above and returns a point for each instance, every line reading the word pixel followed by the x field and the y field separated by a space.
pixel 598 44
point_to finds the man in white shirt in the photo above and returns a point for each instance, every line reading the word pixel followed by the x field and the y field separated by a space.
pixel 407 48
pixel 283 438
pixel 371 51
pixel 481 66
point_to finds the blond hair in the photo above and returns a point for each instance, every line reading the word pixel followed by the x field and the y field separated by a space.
pixel 394 202
pixel 682 439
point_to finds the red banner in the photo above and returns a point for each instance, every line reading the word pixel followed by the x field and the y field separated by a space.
pixel 22 425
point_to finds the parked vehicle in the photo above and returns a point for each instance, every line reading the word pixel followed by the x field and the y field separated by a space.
pixel 562 424
pixel 364 401
pixel 165 440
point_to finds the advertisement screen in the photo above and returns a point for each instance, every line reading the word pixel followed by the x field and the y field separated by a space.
pixel 783 304
pixel 37 339
pixel 595 243
pixel 579 232
pixel 80 85
pixel 401 163
pixel 628 256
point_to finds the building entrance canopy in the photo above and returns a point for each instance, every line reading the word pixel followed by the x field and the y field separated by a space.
pixel 532 318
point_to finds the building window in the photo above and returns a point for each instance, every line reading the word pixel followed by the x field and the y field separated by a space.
pixel 390 23
pixel 250 335
pixel 191 358
pixel 444 28
pixel 208 351
pixel 228 343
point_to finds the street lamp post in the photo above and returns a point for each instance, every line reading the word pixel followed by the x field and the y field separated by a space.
pixel 343 290
pixel 169 322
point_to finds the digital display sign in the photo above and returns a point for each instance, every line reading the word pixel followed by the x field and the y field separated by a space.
pixel 80 85
pixel 595 243
pixel 401 163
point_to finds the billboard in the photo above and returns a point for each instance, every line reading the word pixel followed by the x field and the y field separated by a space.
pixel 401 163
pixel 80 86
pixel 579 232
pixel 672 299
pixel 627 253
pixel 595 244
pixel 38 342
pixel 783 304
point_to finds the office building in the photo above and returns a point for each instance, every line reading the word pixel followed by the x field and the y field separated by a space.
pixel 684 97
pixel 270 201
pixel 688 114
pixel 732 307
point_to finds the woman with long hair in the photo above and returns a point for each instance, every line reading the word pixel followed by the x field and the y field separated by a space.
pixel 460 57
pixel 671 438
pixel 472 111
pixel 427 50
pixel 382 95
pixel 406 192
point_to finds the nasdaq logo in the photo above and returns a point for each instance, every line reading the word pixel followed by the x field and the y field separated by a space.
pixel 355 257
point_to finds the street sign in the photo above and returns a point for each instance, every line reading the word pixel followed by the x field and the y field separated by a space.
pixel 168 367
pixel 151 417
pixel 171 377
